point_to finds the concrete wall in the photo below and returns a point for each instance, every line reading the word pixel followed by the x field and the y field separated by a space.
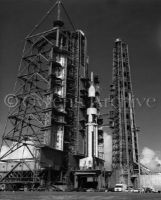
pixel 153 181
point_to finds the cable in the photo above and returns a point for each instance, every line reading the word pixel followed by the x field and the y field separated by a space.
pixel 42 19
pixel 68 17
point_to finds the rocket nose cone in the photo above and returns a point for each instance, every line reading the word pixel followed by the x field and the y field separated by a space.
pixel 91 91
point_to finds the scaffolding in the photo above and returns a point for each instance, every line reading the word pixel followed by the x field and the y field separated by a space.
pixel 48 120
pixel 125 162
pixel 99 119
pixel 77 84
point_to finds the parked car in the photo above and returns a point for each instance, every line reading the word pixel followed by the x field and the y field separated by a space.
pixel 148 190
pixel 90 190
pixel 141 190
pixel 136 190
pixel 130 189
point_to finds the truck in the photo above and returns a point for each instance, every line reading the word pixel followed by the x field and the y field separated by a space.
pixel 120 187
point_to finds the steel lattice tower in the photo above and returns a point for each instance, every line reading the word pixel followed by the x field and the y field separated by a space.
pixel 49 118
pixel 125 162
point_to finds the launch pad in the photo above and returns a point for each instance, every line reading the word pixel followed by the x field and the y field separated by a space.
pixel 55 132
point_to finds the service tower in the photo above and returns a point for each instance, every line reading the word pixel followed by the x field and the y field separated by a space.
pixel 44 135
pixel 125 166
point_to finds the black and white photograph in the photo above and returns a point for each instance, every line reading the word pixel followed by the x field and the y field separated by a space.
pixel 80 99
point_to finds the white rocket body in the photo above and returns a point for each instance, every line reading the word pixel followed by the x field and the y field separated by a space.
pixel 92 130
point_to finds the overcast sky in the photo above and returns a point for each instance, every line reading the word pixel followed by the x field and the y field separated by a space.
pixel 137 22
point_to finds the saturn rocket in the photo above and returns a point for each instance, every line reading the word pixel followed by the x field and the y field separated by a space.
pixel 91 129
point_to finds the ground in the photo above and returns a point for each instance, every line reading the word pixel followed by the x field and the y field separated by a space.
pixel 77 196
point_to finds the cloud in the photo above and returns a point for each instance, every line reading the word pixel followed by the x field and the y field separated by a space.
pixel 107 150
pixel 150 159
pixel 20 153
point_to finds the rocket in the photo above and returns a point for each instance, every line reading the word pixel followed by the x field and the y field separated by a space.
pixel 92 127
pixel 91 130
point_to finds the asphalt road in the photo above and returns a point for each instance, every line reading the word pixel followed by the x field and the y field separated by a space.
pixel 78 196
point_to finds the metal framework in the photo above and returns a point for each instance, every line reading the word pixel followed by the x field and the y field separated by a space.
pixel 99 119
pixel 125 161
pixel 48 121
